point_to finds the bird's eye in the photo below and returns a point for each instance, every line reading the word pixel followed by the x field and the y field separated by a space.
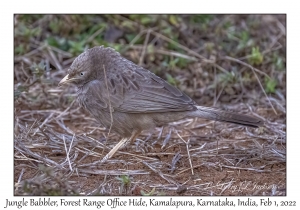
pixel 81 73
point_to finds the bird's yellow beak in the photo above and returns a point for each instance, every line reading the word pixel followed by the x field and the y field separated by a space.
pixel 64 80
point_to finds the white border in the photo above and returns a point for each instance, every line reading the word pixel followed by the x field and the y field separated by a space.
pixel 154 6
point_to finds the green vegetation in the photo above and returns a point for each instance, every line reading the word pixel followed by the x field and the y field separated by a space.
pixel 125 183
pixel 75 33
pixel 256 58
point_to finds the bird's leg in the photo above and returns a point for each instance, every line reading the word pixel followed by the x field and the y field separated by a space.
pixel 134 136
pixel 130 140
pixel 121 144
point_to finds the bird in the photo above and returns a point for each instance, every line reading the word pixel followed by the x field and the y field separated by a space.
pixel 128 99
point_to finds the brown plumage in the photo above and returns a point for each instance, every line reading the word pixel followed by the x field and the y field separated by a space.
pixel 129 99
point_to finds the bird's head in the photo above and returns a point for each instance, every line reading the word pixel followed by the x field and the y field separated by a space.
pixel 79 72
pixel 86 67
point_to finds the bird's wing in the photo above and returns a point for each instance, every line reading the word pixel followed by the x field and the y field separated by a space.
pixel 137 91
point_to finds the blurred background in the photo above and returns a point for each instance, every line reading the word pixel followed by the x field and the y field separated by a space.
pixel 228 61
pixel 189 51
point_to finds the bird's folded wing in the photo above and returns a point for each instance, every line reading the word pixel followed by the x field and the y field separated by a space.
pixel 138 92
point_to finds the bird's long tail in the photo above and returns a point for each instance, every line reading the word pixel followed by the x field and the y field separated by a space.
pixel 227 116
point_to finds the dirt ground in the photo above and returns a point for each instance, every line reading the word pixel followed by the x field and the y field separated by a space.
pixel 58 145
pixel 210 159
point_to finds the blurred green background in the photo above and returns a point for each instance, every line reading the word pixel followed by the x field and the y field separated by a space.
pixel 204 55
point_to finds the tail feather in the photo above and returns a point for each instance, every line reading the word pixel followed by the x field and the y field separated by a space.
pixel 227 116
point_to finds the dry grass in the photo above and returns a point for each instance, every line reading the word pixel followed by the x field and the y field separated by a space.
pixel 58 146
